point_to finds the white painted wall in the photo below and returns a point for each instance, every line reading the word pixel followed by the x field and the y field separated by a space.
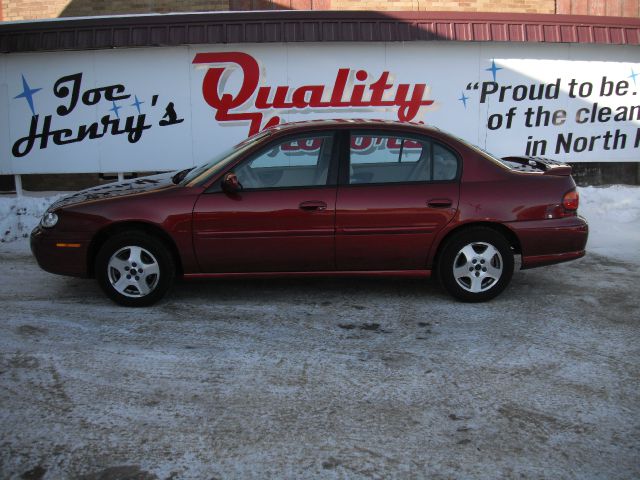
pixel 448 70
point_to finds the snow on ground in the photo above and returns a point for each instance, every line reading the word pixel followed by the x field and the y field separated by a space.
pixel 325 378
pixel 322 378
pixel 613 213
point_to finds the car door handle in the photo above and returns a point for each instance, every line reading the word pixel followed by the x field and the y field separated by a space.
pixel 439 203
pixel 313 205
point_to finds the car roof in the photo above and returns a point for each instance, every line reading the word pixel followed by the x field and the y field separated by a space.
pixel 351 123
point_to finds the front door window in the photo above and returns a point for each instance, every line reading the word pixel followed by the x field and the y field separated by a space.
pixel 299 162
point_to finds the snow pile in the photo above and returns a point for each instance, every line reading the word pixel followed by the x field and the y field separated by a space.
pixel 613 213
pixel 20 215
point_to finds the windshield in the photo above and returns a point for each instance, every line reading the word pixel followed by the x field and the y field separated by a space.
pixel 219 161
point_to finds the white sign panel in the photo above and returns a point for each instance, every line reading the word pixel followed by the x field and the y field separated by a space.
pixel 167 108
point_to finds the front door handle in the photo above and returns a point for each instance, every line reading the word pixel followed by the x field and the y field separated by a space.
pixel 313 205
pixel 439 203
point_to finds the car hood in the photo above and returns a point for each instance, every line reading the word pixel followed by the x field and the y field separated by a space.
pixel 119 189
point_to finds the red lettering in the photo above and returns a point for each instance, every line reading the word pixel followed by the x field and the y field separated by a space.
pixel 408 99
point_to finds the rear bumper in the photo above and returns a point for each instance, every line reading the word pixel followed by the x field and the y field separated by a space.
pixel 62 254
pixel 545 242
pixel 542 260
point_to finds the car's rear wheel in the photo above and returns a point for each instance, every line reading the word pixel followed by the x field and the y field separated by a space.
pixel 134 269
pixel 476 264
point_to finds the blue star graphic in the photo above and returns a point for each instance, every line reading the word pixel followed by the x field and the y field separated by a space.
pixel 464 99
pixel 633 76
pixel 493 69
pixel 137 104
pixel 27 94
pixel 115 109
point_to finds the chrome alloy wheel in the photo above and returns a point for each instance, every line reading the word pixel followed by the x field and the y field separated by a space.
pixel 133 271
pixel 477 267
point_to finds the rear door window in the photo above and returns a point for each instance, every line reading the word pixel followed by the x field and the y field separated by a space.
pixel 383 158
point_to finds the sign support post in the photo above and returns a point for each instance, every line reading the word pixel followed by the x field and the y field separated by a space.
pixel 18 181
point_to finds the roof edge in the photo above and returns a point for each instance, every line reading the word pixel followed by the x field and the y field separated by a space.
pixel 121 31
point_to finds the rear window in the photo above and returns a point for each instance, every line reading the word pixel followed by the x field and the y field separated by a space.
pixel 505 163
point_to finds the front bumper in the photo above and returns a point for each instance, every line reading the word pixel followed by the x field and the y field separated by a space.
pixel 62 253
pixel 545 242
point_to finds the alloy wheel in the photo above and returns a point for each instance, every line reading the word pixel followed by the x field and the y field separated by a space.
pixel 133 271
pixel 477 267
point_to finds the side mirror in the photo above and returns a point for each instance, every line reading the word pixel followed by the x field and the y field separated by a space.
pixel 230 183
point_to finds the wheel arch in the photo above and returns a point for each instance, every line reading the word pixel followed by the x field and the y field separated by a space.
pixel 127 226
pixel 500 228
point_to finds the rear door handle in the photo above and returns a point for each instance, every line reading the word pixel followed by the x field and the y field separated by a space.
pixel 313 205
pixel 439 203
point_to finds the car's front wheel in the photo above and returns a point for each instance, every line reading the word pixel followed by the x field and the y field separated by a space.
pixel 134 269
pixel 476 264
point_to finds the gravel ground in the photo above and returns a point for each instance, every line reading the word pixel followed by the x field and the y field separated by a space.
pixel 322 378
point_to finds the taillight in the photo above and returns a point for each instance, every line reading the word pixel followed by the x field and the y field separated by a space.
pixel 571 200
pixel 567 208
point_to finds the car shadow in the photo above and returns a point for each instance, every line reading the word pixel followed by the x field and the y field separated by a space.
pixel 311 289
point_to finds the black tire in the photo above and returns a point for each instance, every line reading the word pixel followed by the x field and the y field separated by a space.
pixel 134 252
pixel 475 264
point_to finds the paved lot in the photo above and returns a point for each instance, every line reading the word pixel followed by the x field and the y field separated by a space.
pixel 322 379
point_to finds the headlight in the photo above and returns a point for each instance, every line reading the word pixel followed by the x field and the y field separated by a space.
pixel 49 220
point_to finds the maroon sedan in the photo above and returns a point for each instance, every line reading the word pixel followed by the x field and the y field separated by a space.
pixel 339 197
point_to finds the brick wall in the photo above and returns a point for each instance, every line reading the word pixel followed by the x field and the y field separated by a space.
pixel 280 4
pixel 520 6
pixel 615 8
pixel 32 9
pixel 77 8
